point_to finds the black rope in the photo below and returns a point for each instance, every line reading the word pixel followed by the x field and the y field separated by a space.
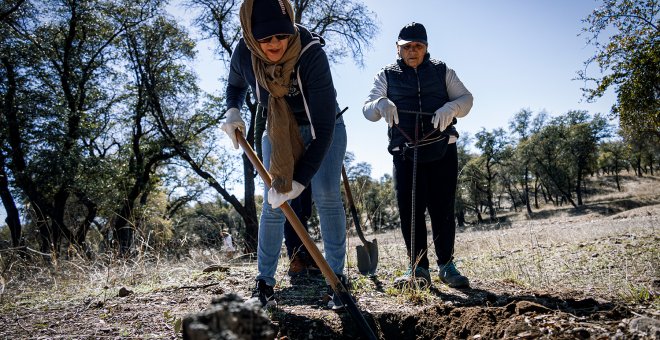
pixel 414 192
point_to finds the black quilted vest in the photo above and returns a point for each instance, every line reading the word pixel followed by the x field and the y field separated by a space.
pixel 422 89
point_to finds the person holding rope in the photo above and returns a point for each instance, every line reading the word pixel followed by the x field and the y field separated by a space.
pixel 420 99
pixel 286 68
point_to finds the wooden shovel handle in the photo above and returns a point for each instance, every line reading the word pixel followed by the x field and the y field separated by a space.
pixel 351 205
pixel 313 250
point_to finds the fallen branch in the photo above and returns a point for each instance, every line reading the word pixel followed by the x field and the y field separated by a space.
pixel 23 248
pixel 198 286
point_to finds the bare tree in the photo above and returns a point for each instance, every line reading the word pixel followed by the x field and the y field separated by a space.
pixel 493 145
pixel 521 124
pixel 348 26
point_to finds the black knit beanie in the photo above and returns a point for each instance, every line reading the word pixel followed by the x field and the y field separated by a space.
pixel 269 18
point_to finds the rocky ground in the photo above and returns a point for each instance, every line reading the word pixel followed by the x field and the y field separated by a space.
pixel 566 273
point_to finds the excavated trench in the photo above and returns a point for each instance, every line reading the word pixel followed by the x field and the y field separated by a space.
pixel 520 317
pixel 526 317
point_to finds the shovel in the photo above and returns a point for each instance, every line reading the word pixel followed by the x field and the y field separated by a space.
pixel 367 253
pixel 313 250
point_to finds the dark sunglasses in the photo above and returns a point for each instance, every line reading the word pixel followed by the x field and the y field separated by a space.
pixel 277 36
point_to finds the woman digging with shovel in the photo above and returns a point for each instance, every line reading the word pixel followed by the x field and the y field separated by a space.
pixel 288 71
pixel 423 148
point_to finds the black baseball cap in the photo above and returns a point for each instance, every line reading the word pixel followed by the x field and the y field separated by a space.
pixel 413 32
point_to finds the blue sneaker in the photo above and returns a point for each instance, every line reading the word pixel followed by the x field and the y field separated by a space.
pixel 422 278
pixel 452 277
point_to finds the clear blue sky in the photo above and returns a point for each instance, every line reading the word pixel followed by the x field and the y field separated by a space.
pixel 511 54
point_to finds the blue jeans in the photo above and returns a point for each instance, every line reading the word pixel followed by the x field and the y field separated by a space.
pixel 327 198
pixel 302 206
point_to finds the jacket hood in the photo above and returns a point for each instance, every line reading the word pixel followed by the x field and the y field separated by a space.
pixel 306 36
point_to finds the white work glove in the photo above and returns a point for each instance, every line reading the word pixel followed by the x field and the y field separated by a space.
pixel 275 199
pixel 443 117
pixel 233 122
pixel 387 110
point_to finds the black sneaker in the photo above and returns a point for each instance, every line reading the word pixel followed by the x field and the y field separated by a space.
pixel 452 277
pixel 264 294
pixel 335 302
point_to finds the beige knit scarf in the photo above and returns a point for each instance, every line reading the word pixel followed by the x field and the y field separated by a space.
pixel 286 142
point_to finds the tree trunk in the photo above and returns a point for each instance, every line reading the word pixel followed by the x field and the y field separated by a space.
pixel 60 229
pixel 570 200
pixel 9 111
pixel 251 233
pixel 651 161
pixel 490 205
pixel 121 227
pixel 547 196
pixel 616 179
pixel 44 235
pixel 92 210
pixel 489 193
pixel 537 185
pixel 460 218
pixel 526 193
pixel 512 194
pixel 13 218
pixel 578 187
pixel 250 218
pixel 480 219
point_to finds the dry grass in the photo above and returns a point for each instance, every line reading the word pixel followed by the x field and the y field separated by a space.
pixel 609 255
pixel 602 249
pixel 597 257
pixel 32 282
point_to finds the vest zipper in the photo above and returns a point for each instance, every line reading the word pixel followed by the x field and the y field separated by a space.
pixel 418 121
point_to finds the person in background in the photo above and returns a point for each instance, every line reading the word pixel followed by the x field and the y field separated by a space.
pixel 228 244
pixel 418 83
pixel 286 68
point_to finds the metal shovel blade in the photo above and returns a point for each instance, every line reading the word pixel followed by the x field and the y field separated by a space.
pixel 367 254
pixel 367 257
pixel 363 260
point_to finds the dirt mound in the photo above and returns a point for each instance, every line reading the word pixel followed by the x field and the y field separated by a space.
pixel 645 211
pixel 229 318
pixel 502 317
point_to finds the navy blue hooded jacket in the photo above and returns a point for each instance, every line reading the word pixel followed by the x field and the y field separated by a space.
pixel 317 87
